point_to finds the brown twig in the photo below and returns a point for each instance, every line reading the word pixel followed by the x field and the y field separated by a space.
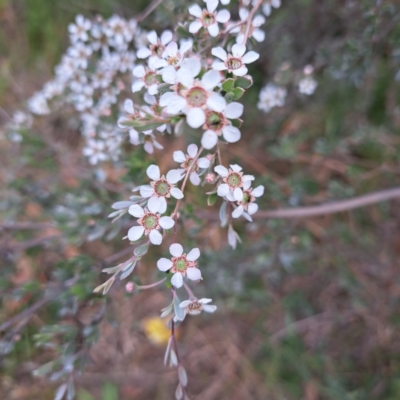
pixel 324 209
pixel 24 316
pixel 250 19
pixel 17 226
pixel 148 10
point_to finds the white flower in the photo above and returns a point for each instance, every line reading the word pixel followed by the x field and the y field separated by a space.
pixel 218 123
pixel 148 139
pixel 307 85
pixel 197 95
pixel 173 55
pixel 37 104
pixel 80 54
pixel 119 32
pixel 255 32
pixel 181 264
pixel 271 96
pixel 149 222
pixel 208 18
pixel 234 62
pixel 95 151
pixel 268 4
pixel 247 205
pixel 233 180
pixel 187 163
pixel 157 45
pixel 161 187
pixel 78 31
pixel 147 77
pixel 195 306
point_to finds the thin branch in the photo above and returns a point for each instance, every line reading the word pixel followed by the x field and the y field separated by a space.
pixel 17 226
pixel 324 209
pixel 250 20
pixel 147 11
pixel 54 291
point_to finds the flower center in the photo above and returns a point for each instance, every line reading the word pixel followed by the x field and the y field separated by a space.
pixel 215 121
pixel 188 164
pixel 150 78
pixel 246 197
pixel 195 306
pixel 150 221
pixel 234 63
pixel 162 188
pixel 157 49
pixel 234 180
pixel 208 18
pixel 174 60
pixel 197 97
pixel 181 264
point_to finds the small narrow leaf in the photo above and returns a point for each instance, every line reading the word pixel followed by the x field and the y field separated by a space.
pixel 60 392
pixel 183 378
pixel 212 198
pixel 167 350
pixel 179 311
pixel 173 359
pixel 141 250
pixel 222 214
pixel 179 392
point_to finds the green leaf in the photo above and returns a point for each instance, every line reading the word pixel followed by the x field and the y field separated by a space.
pixel 212 198
pixel 141 250
pixel 238 93
pixel 142 125
pixel 243 82
pixel 181 31
pixel 228 85
pixel 237 122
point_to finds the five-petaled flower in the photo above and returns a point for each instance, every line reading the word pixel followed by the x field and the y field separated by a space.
pixel 188 164
pixel 234 62
pixel 247 205
pixel 161 187
pixel 150 221
pixel 180 264
pixel 208 18
pixel 196 306
pixel 233 181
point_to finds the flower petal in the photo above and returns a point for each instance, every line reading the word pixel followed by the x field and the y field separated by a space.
pixel 238 212
pixel 175 192
pixel 153 172
pixel 216 102
pixel 163 205
pixel 168 75
pixel 136 211
pixel 135 233
pixel 238 50
pixel 195 117
pixel 196 11
pixel 174 176
pixel 163 264
pixel 234 110
pixel 223 190
pixel 177 280
pixel 146 191
pixel 139 71
pixel 252 208
pixel 221 170
pixel 235 167
pixel 192 150
pixel 144 52
pixel 137 86
pixel 219 66
pixel 213 30
pixel 258 191
pixel 240 71
pixel 259 35
pixel 195 26
pixel 193 255
pixel 238 194
pixel 152 37
pixel 250 57
pixel 154 204
pixel 195 179
pixel 166 222
pixel 223 16
pixel 155 237
pixel 203 162
pixel 166 37
pixel 176 249
pixel 209 308
pixel 220 53
pixel 193 273
pixel 231 134
pixel 209 139
pixel 128 106
pixel 211 79
pixel 179 156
